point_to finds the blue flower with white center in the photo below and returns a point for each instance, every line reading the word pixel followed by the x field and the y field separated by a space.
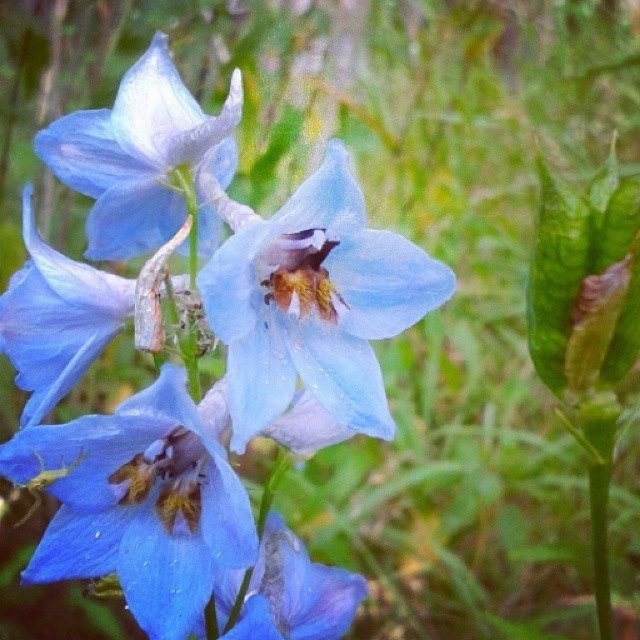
pixel 56 318
pixel 148 494
pixel 306 600
pixel 123 157
pixel 302 293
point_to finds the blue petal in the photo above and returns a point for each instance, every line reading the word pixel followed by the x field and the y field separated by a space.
pixel 78 545
pixel 221 162
pixel 192 146
pixel 312 601
pixel 77 283
pixel 167 399
pixel 307 427
pixel 324 605
pixel 153 105
pixel 329 199
pixel 167 580
pixel 388 283
pixel 91 448
pixel 261 381
pixel 228 526
pixel 50 341
pixel 133 219
pixel 230 292
pixel 228 581
pixel 82 152
pixel 344 374
pixel 256 624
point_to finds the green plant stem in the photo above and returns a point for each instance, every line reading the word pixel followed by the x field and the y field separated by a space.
pixel 278 472
pixel 598 417
pixel 211 620
pixel 599 480
pixel 189 346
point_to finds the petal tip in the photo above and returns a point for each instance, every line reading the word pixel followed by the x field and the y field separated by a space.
pixel 337 150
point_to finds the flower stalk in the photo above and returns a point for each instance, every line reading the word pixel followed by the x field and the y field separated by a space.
pixel 189 346
pixel 598 417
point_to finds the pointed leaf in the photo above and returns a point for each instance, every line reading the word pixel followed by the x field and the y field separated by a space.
pixel 560 262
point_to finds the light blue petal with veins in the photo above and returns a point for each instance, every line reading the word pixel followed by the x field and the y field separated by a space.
pixel 153 105
pixel 133 219
pixel 343 373
pixel 388 283
pixel 56 318
pixel 81 150
pixel 167 579
pixel 329 199
pixel 78 545
pixel 230 291
pixel 227 522
pixel 261 380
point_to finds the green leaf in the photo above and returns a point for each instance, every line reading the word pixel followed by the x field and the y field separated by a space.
pixel 594 319
pixel 605 182
pixel 619 226
pixel 625 343
pixel 560 262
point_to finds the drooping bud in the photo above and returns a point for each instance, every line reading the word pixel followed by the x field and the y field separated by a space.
pixel 149 332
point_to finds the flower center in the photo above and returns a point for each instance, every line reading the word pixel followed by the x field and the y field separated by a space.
pixel 297 281
pixel 178 461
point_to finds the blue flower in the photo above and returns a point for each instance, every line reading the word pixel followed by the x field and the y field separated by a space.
pixel 149 494
pixel 307 601
pixel 256 624
pixel 302 293
pixel 123 157
pixel 56 318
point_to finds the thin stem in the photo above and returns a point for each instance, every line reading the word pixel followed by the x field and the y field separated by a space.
pixel 211 620
pixel 599 417
pixel 599 479
pixel 189 345
pixel 278 472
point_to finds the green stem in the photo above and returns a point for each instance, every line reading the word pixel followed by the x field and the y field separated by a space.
pixel 278 472
pixel 599 480
pixel 189 345
pixel 211 620
pixel 598 417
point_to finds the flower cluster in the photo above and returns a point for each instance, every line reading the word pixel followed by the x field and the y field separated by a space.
pixel 148 493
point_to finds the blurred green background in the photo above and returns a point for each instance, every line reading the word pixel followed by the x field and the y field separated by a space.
pixel 473 523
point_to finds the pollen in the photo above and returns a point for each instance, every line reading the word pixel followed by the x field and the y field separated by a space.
pixel 176 500
pixel 138 475
pixel 297 292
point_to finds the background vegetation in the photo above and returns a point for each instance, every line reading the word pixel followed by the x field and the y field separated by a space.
pixel 473 523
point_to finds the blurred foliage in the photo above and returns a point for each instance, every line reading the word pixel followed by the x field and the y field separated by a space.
pixel 472 524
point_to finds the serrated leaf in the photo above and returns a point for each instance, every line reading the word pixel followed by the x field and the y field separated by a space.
pixel 560 261
pixel 594 319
